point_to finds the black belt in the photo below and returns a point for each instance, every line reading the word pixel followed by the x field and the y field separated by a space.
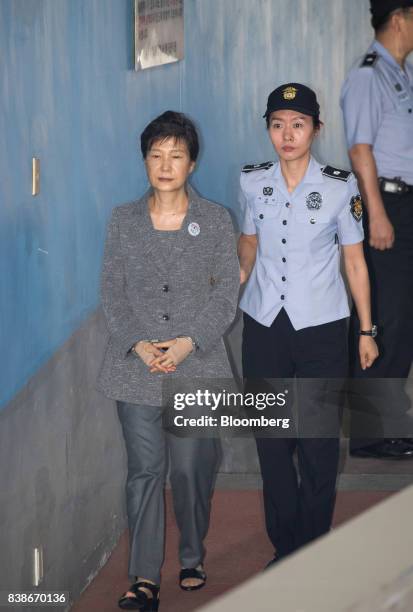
pixel 394 185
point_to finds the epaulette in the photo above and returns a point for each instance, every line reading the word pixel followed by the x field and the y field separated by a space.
pixel 369 60
pixel 252 167
pixel 335 173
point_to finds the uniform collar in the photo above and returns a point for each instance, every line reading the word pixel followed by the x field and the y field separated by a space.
pixel 385 54
pixel 313 175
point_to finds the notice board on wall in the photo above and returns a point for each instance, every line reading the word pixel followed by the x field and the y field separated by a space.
pixel 159 32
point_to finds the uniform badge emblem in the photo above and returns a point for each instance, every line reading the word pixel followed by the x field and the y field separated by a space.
pixel 356 206
pixel 369 60
pixel 314 200
pixel 267 191
pixel 253 167
pixel 336 173
pixel 194 229
pixel 289 93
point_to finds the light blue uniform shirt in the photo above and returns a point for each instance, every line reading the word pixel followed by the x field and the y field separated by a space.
pixel 298 257
pixel 377 104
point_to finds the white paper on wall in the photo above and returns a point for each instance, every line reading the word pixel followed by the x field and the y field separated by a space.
pixel 159 32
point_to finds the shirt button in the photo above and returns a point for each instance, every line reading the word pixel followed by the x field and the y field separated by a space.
pixel 165 317
pixel 284 260
pixel 284 222
pixel 165 288
pixel 287 204
pixel 283 297
pixel 283 241
pixel 283 278
pixel 312 220
pixel 261 216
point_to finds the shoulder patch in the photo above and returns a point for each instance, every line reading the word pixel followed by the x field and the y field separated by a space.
pixel 369 60
pixel 336 173
pixel 356 207
pixel 252 167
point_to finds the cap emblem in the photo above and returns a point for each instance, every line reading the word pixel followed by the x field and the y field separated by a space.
pixel 289 93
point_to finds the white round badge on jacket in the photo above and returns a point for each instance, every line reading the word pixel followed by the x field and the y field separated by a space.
pixel 194 229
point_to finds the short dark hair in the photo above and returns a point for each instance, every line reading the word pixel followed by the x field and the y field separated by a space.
pixel 316 121
pixel 171 125
pixel 379 24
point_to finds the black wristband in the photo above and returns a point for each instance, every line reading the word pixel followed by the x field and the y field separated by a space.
pixel 371 332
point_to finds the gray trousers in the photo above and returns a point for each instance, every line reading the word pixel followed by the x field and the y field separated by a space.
pixel 193 463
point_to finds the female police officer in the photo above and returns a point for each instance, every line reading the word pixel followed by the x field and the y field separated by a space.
pixel 296 214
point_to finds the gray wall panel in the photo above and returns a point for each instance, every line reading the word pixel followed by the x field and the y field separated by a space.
pixel 62 468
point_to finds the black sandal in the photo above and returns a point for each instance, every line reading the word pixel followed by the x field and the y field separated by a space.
pixel 141 601
pixel 192 573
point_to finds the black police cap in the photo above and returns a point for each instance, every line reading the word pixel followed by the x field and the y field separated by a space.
pixel 382 8
pixel 293 96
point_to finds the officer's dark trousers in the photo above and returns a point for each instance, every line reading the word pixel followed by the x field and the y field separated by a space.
pixel 391 278
pixel 297 510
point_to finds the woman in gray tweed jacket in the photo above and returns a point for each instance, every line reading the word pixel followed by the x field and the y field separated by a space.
pixel 170 273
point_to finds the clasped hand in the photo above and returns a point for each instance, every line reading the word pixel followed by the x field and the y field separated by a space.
pixel 164 356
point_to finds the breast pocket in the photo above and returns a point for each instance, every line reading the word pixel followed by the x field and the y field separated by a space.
pixel 264 214
pixel 313 218
pixel 317 229
pixel 398 122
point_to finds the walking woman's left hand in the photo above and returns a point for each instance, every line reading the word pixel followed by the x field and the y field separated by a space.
pixel 177 349
pixel 368 351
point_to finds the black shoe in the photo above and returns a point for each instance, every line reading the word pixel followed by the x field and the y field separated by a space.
pixel 192 572
pixel 140 599
pixel 408 441
pixel 389 448
pixel 272 562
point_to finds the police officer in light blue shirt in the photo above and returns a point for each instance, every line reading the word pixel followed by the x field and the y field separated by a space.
pixel 298 216
pixel 377 104
pixel 306 228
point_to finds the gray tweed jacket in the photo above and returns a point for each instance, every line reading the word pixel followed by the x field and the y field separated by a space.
pixel 144 296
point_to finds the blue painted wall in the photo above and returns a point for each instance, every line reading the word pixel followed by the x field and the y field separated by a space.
pixel 69 96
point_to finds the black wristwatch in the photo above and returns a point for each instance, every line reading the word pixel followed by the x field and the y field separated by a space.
pixel 371 332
